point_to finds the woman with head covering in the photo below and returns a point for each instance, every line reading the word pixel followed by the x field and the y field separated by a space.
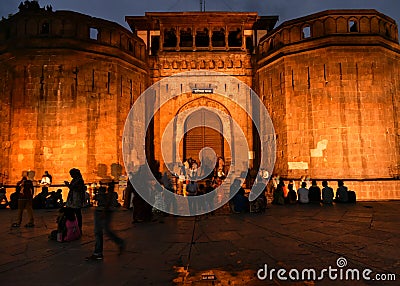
pixel 76 194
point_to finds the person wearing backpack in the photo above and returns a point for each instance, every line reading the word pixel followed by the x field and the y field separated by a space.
pixel 76 194
pixel 25 202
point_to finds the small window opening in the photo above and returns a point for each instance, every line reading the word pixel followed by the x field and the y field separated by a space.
pixel 353 26
pixel 218 38
pixel 306 33
pixel 186 38
pixel 170 38
pixel 387 32
pixel 235 38
pixel 271 45
pixel 202 39
pixel 94 33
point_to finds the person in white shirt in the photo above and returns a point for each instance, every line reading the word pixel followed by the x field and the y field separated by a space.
pixel 302 194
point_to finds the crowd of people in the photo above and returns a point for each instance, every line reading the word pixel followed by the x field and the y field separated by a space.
pixel 69 221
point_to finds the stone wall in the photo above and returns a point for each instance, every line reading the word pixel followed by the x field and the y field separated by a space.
pixel 236 64
pixel 334 103
pixel 64 95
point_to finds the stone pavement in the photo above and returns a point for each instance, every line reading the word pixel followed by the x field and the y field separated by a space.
pixel 232 246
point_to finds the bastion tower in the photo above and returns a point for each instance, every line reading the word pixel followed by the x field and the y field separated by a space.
pixel 331 84
pixel 67 82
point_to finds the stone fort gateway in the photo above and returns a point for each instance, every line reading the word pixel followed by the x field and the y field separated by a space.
pixel 330 82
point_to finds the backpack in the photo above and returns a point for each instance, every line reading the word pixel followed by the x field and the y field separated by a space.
pixel 352 197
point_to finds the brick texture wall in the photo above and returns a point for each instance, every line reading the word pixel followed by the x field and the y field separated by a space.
pixel 333 98
pixel 64 96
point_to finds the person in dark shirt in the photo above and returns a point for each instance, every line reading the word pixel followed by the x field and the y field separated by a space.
pixel 292 196
pixel 327 193
pixel 278 196
pixel 314 193
pixel 102 220
pixel 342 195
pixel 240 203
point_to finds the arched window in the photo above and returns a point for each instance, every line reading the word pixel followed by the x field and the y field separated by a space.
pixel 306 32
pixel 93 33
pixel 218 38
pixel 186 38
pixel 130 46
pixel 271 45
pixel 170 38
pixel 235 38
pixel 387 31
pixel 353 26
pixel 202 38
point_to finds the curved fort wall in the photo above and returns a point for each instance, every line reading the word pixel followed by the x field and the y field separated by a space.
pixel 331 84
pixel 67 82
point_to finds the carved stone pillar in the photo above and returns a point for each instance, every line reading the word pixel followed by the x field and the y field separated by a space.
pixel 226 38
pixel 161 38
pixel 194 38
pixel 148 42
pixel 243 39
pixel 178 38
pixel 210 31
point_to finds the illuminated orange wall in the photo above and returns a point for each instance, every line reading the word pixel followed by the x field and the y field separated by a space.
pixel 334 99
pixel 65 97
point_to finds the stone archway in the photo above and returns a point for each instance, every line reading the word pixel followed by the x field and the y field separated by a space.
pixel 197 138
pixel 219 121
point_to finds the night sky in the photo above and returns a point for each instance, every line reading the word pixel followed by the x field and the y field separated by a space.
pixel 116 10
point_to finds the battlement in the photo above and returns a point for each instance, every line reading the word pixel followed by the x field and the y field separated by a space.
pixel 350 25
pixel 34 27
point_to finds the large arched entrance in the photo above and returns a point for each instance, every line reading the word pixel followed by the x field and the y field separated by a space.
pixel 209 134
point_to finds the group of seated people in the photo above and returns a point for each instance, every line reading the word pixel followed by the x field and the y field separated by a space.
pixel 43 200
pixel 46 200
pixel 239 202
pixel 313 194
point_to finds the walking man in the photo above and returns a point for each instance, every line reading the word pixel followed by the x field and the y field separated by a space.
pixel 102 220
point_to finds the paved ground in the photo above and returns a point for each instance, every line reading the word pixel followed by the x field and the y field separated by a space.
pixel 232 246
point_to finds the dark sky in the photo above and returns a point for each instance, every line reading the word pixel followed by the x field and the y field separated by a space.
pixel 116 10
